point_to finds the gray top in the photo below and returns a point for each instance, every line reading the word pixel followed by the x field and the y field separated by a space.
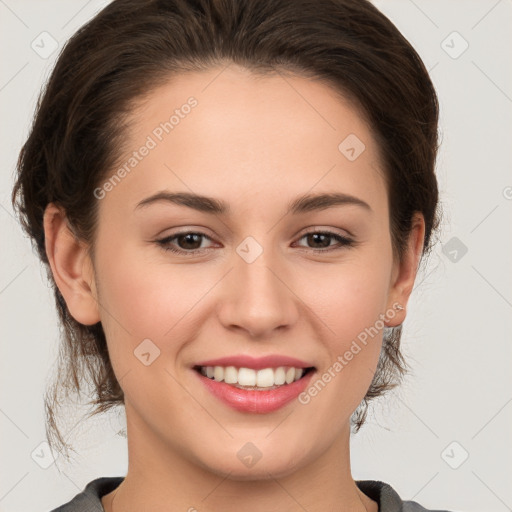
pixel 89 500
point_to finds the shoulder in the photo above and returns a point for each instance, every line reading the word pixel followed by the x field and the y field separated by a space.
pixel 388 499
pixel 89 500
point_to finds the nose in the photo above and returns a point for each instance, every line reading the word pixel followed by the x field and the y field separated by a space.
pixel 257 297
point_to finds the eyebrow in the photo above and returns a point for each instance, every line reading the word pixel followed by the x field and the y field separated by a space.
pixel 302 204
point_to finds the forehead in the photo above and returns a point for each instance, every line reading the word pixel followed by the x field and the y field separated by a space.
pixel 229 133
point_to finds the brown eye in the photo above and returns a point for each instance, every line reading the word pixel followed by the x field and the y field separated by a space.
pixel 321 241
pixel 190 242
pixel 183 243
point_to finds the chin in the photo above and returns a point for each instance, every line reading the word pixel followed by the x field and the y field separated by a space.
pixel 248 463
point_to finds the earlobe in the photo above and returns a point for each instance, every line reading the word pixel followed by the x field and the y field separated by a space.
pixel 71 266
pixel 405 274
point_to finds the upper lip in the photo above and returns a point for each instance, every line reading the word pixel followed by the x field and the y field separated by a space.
pixel 256 363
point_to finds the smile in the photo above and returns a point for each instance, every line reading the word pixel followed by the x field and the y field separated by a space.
pixel 248 378
pixel 251 385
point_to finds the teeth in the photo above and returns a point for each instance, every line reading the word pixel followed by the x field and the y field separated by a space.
pixel 246 377
pixel 279 376
pixel 264 378
pixel 230 375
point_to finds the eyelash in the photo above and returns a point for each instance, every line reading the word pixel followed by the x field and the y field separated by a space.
pixel 165 242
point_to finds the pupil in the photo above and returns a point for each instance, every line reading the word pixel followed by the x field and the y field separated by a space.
pixel 188 238
pixel 314 237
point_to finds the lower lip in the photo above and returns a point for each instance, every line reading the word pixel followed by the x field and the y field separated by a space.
pixel 259 402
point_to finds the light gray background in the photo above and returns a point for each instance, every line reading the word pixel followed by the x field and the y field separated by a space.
pixel 457 333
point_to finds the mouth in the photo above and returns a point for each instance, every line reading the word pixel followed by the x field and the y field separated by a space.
pixel 259 390
pixel 264 379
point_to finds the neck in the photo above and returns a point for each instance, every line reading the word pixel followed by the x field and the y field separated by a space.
pixel 161 479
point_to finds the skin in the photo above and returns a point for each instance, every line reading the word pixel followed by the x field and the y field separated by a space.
pixel 256 143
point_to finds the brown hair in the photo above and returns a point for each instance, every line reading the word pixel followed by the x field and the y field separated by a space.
pixel 133 46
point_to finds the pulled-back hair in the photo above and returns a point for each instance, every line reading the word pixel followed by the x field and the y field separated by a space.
pixel 133 46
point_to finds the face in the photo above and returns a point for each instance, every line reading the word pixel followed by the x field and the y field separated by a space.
pixel 181 284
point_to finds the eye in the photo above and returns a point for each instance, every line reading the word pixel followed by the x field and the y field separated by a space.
pixel 323 241
pixel 189 242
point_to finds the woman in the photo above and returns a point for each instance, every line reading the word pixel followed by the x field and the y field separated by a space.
pixel 232 199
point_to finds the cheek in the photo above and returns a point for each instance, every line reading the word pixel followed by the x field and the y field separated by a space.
pixel 348 297
pixel 148 298
pixel 349 308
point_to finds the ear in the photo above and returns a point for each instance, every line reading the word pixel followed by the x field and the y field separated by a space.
pixel 71 266
pixel 404 271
